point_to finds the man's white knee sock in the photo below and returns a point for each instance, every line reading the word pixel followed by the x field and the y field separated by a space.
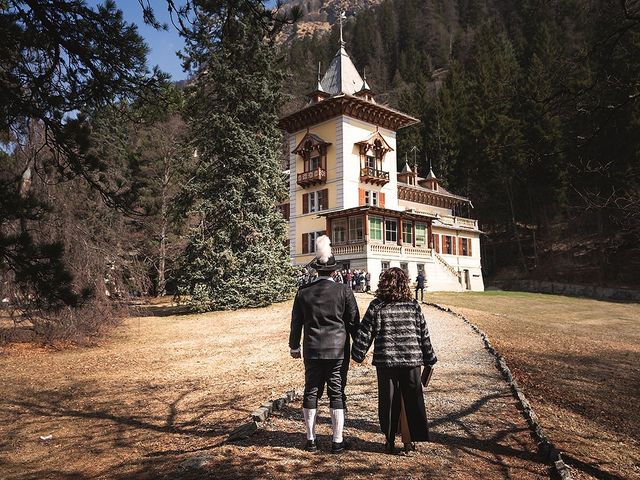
pixel 337 422
pixel 310 422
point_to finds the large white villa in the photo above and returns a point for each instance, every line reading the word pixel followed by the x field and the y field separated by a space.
pixel 344 182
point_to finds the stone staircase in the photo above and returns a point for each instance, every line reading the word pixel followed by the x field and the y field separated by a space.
pixel 442 275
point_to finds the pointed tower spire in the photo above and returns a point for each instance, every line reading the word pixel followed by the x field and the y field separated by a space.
pixel 431 175
pixel 319 86
pixel 341 77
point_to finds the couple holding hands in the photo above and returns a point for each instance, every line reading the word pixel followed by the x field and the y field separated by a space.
pixel 328 314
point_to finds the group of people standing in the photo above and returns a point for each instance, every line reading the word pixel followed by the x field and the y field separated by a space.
pixel 325 319
pixel 357 280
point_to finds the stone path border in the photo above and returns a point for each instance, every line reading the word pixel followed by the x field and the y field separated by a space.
pixel 547 448
pixel 261 415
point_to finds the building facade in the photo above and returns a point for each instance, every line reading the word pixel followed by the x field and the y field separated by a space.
pixel 344 182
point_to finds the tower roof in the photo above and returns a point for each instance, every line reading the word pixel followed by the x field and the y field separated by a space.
pixel 407 168
pixel 342 75
pixel 431 175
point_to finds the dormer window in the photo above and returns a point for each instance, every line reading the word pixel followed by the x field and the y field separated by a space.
pixel 372 153
pixel 313 151
pixel 370 160
pixel 314 161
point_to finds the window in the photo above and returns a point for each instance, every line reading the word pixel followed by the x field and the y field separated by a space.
pixel 356 229
pixel 405 268
pixel 464 242
pixel 317 201
pixel 421 268
pixel 448 245
pixel 384 265
pixel 314 161
pixel 435 241
pixel 370 161
pixel 375 228
pixel 407 232
pixel 371 198
pixel 311 241
pixel 420 234
pixel 339 234
pixel 391 230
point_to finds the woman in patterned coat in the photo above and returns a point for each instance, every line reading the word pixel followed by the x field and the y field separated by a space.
pixel 394 323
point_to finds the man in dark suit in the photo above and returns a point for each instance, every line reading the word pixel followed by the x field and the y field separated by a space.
pixel 420 286
pixel 328 313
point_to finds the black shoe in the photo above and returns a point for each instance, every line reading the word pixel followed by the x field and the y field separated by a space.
pixel 339 447
pixel 311 446
pixel 389 447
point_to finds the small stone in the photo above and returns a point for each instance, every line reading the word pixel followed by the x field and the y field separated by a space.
pixel 260 415
pixel 243 432
pixel 195 462
pixel 268 406
pixel 279 403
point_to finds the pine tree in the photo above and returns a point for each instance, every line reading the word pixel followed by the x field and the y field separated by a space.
pixel 236 255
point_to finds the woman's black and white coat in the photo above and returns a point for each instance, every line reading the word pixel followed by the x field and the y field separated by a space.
pixel 400 333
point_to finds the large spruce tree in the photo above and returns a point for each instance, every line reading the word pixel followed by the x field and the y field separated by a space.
pixel 236 256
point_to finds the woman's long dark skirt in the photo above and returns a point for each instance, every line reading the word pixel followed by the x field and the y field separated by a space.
pixel 394 384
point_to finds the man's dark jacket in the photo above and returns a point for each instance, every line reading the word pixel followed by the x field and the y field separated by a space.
pixel 329 314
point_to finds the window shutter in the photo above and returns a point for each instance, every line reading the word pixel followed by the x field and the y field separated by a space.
pixel 305 243
pixel 469 242
pixel 460 249
pixel 381 200
pixel 325 198
pixel 444 244
pixel 454 244
pixel 436 242
pixel 305 203
pixel 361 196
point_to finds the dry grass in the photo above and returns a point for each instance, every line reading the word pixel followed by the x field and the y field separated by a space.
pixel 162 387
pixel 578 361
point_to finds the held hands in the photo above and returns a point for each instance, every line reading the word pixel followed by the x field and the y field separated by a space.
pixel 295 353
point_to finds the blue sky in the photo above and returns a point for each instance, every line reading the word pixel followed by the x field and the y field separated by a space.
pixel 163 44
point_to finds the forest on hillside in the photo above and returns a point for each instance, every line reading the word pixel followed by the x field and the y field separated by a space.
pixel 529 108
pixel 113 185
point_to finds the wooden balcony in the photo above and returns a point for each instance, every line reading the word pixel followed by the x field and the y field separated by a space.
pixel 312 177
pixel 373 176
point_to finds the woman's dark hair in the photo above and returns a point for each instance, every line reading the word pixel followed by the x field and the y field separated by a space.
pixel 394 286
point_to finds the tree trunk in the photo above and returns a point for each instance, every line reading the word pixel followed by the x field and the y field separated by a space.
pixel 523 262
pixel 162 260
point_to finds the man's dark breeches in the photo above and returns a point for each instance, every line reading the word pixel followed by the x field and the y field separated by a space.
pixel 316 374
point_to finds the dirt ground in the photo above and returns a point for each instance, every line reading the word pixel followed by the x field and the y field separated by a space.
pixel 167 387
pixel 578 361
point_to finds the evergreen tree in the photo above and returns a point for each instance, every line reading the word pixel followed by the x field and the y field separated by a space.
pixel 236 256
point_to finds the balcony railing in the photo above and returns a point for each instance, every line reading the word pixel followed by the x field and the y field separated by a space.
pixel 312 177
pixel 386 250
pixel 374 176
pixel 459 221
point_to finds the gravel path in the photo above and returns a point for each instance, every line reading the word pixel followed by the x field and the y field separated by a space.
pixel 476 429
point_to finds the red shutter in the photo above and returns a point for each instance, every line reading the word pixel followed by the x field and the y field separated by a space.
pixel 361 196
pixel 436 242
pixel 305 243
pixel 381 200
pixel 453 244
pixel 325 198
pixel 469 246
pixel 305 203
pixel 460 249
pixel 444 244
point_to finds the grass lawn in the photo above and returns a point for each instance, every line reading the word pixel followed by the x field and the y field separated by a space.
pixel 578 361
